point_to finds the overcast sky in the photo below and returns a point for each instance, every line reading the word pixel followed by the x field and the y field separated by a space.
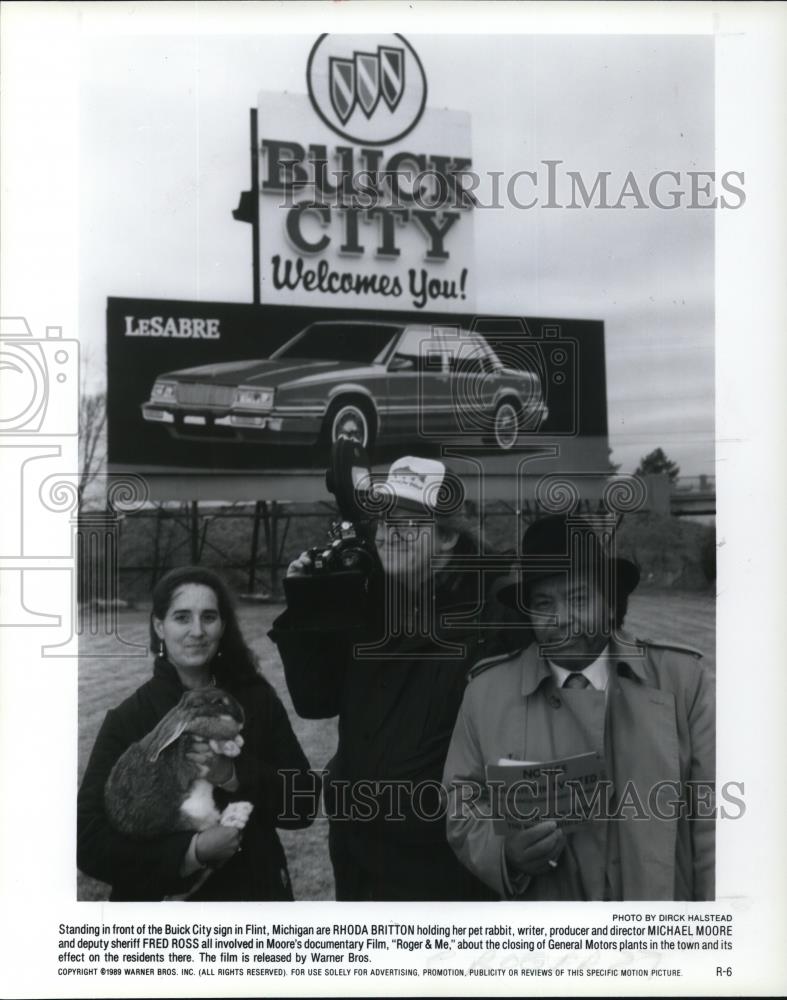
pixel 164 154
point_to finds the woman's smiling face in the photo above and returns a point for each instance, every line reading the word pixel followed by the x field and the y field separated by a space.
pixel 192 627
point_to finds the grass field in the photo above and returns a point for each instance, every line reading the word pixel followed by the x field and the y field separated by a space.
pixel 677 616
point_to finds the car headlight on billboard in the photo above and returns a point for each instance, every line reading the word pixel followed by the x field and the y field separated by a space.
pixel 164 391
pixel 252 398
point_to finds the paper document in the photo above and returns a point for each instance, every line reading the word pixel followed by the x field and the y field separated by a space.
pixel 570 790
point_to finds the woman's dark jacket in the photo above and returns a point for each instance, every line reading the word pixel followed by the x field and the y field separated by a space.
pixel 149 869
pixel 397 705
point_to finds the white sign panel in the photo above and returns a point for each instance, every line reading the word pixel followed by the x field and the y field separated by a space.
pixel 363 189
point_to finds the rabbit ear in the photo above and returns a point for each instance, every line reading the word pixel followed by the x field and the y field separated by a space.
pixel 166 732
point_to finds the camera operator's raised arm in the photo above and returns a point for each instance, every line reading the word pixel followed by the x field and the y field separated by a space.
pixel 314 658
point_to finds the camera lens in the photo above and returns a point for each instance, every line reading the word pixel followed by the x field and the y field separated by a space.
pixel 24 386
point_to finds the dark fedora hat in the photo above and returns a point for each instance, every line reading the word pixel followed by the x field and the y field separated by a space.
pixel 558 544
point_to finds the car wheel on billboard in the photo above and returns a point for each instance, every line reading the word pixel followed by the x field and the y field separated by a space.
pixel 350 420
pixel 507 425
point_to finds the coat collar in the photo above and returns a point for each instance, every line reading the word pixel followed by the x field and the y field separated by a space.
pixel 628 656
pixel 166 676
pixel 163 690
pixel 624 652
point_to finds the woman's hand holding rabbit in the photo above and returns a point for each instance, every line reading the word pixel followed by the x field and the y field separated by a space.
pixel 215 768
pixel 217 844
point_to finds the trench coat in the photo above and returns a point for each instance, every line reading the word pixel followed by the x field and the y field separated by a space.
pixel 660 705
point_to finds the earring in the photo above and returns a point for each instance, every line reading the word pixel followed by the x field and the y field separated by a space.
pixel 161 650
pixel 219 654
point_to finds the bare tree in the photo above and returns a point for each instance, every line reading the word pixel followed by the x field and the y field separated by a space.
pixel 92 435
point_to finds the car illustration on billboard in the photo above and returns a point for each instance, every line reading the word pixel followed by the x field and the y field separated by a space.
pixel 375 382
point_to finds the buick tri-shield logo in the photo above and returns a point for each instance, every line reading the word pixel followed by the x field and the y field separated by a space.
pixel 366 78
pixel 367 88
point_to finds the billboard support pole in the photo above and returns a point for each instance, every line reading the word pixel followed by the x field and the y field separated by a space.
pixel 274 549
pixel 255 196
pixel 266 527
pixel 194 532
pixel 156 545
pixel 270 524
pixel 255 544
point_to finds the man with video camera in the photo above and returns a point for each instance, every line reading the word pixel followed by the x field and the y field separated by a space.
pixel 388 661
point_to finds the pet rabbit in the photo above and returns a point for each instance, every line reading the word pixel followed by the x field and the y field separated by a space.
pixel 155 789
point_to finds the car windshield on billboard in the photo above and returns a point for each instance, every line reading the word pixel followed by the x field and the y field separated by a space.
pixel 361 342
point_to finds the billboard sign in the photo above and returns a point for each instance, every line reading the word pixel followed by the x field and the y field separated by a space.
pixel 201 387
pixel 365 325
pixel 361 201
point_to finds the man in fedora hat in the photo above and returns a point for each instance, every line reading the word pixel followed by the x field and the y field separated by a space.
pixel 583 685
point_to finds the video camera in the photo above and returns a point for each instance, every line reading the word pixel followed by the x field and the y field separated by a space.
pixel 337 587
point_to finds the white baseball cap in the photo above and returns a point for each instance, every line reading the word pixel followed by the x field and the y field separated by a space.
pixel 416 483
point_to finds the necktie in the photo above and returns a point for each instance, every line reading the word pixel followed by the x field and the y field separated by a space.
pixel 576 679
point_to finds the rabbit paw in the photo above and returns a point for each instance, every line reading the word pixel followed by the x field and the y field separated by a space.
pixel 227 748
pixel 236 815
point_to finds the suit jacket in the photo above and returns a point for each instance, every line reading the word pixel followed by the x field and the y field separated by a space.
pixel 661 715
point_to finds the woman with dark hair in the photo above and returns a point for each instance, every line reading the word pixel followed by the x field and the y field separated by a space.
pixel 198 643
